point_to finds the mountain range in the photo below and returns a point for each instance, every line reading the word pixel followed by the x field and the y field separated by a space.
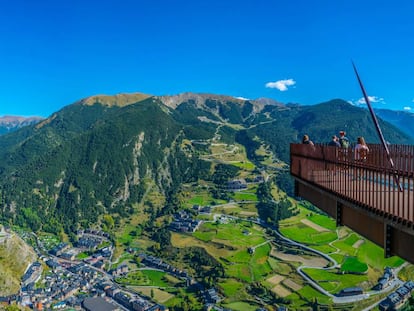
pixel 403 120
pixel 12 123
pixel 106 154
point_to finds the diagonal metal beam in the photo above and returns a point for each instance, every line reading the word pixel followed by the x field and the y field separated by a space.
pixel 378 128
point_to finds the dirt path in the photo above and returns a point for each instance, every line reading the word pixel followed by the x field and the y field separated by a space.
pixel 313 225
pixel 319 262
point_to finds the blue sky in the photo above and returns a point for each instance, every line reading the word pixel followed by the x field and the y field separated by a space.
pixel 56 52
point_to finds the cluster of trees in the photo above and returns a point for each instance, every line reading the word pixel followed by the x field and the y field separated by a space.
pixel 269 209
pixel 257 289
pixel 206 267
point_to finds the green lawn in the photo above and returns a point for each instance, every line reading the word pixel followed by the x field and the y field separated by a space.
pixel 338 257
pixel 327 249
pixel 144 278
pixel 240 306
pixel 243 196
pixel 245 165
pixel 259 264
pixel 345 248
pixel 231 287
pixel 373 255
pixel 205 234
pixel 334 282
pixel 279 267
pixel 352 239
pixel 324 221
pixel 367 252
pixel 237 237
pixel 201 200
pixel 239 271
pixel 307 235
pixel 125 237
pixel 200 197
pixel 241 256
pixel 310 294
pixel 352 264
pixel 82 255
pixel 250 267
pixel 232 233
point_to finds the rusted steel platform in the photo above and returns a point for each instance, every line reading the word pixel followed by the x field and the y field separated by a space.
pixel 373 197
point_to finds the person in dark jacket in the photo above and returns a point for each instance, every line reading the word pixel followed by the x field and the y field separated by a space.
pixel 334 142
pixel 306 140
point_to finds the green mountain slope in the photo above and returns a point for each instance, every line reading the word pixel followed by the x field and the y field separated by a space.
pixel 106 154
pixel 404 120
pixel 325 119
pixel 320 122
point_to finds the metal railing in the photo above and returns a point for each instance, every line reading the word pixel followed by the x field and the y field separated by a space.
pixel 371 182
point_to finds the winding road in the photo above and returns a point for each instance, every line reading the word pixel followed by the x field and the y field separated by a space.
pixel 333 265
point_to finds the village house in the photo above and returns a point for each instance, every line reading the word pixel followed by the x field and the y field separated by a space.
pixel 123 299
pixel 211 296
pixel 120 270
pixel 59 249
pixel 32 274
pixel 112 291
pixel 237 184
pixel 258 179
pixel 98 304
pixel 385 280
pixel 140 305
pixel 397 298
pixel 184 223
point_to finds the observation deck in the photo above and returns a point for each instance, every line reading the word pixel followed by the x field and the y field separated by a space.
pixel 370 196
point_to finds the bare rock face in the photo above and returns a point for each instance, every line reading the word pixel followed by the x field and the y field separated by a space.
pixel 15 257
pixel 173 101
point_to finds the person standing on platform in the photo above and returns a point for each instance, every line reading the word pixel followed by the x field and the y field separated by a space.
pixel 332 154
pixel 360 155
pixel 343 152
pixel 306 140
pixel 334 142
pixel 343 140
pixel 361 150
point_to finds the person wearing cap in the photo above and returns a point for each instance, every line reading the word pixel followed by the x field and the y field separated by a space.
pixel 343 140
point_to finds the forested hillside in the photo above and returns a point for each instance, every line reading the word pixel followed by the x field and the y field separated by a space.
pixel 98 157
pixel 404 120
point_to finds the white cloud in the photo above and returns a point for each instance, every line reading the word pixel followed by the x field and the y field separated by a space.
pixel 242 98
pixel 407 107
pixel 281 85
pixel 372 99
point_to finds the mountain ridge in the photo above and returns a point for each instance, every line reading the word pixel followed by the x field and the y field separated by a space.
pixel 10 123
pixel 120 99
pixel 87 160
pixel 404 120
